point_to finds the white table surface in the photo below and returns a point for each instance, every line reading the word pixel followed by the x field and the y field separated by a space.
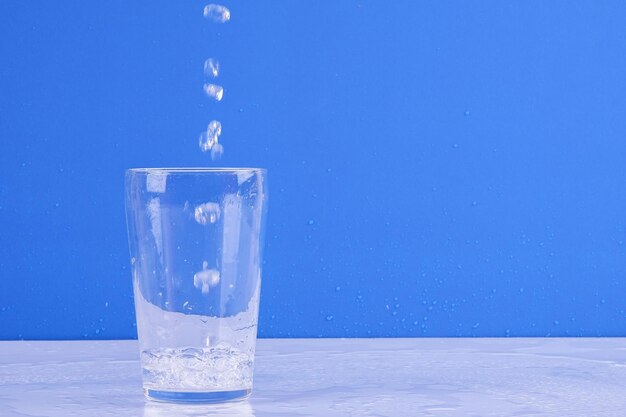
pixel 336 377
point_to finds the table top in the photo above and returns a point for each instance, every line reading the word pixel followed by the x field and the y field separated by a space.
pixel 336 377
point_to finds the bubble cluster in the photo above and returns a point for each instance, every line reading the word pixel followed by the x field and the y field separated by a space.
pixel 207 369
pixel 207 213
pixel 217 13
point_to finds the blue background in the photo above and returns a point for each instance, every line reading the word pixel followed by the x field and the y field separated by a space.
pixel 436 168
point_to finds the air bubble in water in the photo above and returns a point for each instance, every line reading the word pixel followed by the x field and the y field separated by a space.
pixel 211 68
pixel 217 13
pixel 207 213
pixel 209 138
pixel 217 151
pixel 206 278
pixel 214 91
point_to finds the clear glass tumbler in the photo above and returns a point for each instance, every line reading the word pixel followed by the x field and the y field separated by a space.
pixel 196 237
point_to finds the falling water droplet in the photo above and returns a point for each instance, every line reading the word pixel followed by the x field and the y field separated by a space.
pixel 217 151
pixel 217 13
pixel 206 278
pixel 207 213
pixel 208 139
pixel 214 91
pixel 211 68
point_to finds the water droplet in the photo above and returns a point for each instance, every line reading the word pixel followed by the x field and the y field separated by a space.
pixel 211 68
pixel 466 113
pixel 216 13
pixel 337 288
pixel 106 304
pixel 133 260
pixel 455 146
pixel 209 138
pixel 214 91
pixel 217 151
pixel 474 203
pixel 206 278
pixel 207 213
pixel 329 318
pixel 311 222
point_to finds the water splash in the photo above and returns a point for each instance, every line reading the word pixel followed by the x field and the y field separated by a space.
pixel 217 13
pixel 216 92
pixel 221 367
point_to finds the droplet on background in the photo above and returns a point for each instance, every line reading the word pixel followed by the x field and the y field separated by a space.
pixel 211 68
pixel 208 139
pixel 217 151
pixel 214 91
pixel 207 213
pixel 217 13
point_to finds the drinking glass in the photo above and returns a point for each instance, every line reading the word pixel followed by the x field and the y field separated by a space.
pixel 195 237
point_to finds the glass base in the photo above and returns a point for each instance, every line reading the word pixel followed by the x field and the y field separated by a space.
pixel 196 397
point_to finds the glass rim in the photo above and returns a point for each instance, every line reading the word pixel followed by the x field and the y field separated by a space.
pixel 194 170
